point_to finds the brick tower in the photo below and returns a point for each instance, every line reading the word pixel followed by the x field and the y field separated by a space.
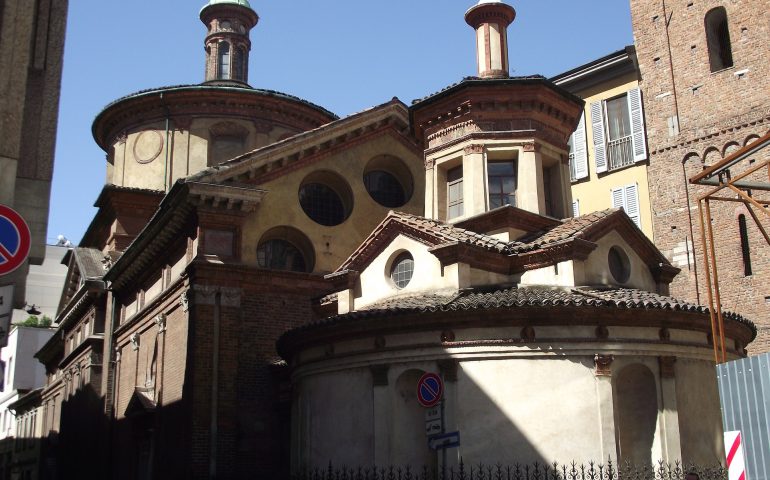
pixel 227 42
pixel 490 19
pixel 705 83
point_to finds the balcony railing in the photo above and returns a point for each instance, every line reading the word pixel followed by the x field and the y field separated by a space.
pixel 620 153
pixel 572 168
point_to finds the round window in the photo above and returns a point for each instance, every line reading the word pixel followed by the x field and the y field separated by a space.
pixel 388 181
pixel 402 270
pixel 285 248
pixel 280 255
pixel 326 198
pixel 620 265
pixel 385 188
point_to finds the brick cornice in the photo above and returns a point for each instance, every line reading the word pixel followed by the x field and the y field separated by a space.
pixel 737 123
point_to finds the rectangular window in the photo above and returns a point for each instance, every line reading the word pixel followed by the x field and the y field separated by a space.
pixel 627 198
pixel 619 149
pixel 454 190
pixel 501 183
pixel 618 131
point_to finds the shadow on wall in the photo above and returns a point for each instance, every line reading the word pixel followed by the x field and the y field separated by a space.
pixel 507 410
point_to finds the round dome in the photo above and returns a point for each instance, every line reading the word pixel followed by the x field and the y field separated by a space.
pixel 242 3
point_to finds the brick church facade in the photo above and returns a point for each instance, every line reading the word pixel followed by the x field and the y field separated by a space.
pixel 227 207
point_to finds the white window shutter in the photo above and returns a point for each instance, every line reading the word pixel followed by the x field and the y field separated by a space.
pixel 636 111
pixel 580 151
pixel 632 204
pixel 618 198
pixel 575 208
pixel 600 149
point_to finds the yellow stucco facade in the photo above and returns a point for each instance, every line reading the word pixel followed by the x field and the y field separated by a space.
pixel 595 192
pixel 611 78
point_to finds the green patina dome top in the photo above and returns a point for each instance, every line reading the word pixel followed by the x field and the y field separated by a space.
pixel 242 3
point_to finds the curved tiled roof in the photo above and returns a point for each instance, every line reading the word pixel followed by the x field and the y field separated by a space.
pixel 523 297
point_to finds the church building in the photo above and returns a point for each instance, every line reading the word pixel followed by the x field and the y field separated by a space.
pixel 255 257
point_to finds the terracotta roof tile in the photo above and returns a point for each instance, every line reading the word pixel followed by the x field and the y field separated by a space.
pixel 569 229
pixel 525 297
pixel 450 233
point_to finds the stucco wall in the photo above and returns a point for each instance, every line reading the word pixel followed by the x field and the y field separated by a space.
pixel 595 192
pixel 332 245
pixel 139 159
pixel 595 270
pixel 541 401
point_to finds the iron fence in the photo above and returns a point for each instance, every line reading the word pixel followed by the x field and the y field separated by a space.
pixel 536 471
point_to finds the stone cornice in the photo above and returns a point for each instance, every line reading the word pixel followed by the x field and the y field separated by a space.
pixel 298 151
pixel 144 108
pixel 405 323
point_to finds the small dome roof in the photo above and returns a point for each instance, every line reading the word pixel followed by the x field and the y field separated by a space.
pixel 242 3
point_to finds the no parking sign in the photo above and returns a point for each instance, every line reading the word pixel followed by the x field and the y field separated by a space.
pixel 15 240
pixel 430 389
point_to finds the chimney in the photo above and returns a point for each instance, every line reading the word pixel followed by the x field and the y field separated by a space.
pixel 490 19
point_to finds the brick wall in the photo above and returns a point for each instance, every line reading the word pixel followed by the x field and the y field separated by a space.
pixel 251 416
pixel 717 113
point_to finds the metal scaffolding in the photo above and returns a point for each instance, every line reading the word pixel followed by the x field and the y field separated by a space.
pixel 719 177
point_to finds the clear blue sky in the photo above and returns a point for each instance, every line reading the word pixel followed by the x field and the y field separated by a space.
pixel 344 55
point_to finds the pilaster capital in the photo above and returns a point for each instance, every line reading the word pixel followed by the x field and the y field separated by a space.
pixel 206 295
pixel 603 365
pixel 532 147
pixel 448 369
pixel 667 367
pixel 379 375
pixel 474 148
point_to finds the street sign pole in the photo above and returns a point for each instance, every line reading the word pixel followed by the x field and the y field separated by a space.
pixel 443 431
pixel 6 308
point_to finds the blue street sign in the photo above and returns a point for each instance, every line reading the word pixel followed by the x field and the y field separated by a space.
pixel 444 441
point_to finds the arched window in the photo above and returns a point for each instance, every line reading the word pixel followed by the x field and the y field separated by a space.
pixel 744 233
pixel 239 64
pixel 223 67
pixel 718 39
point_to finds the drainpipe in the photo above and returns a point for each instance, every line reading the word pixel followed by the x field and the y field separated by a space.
pixel 168 147
pixel 112 372
pixel 215 387
pixel 671 64
pixel 692 235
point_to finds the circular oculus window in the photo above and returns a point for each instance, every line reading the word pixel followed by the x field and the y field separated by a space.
pixel 326 198
pixel 620 265
pixel 402 270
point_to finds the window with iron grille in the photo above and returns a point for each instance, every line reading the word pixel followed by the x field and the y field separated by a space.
pixel 280 254
pixel 321 203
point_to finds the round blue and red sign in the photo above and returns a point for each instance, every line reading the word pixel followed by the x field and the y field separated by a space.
pixel 430 389
pixel 15 240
